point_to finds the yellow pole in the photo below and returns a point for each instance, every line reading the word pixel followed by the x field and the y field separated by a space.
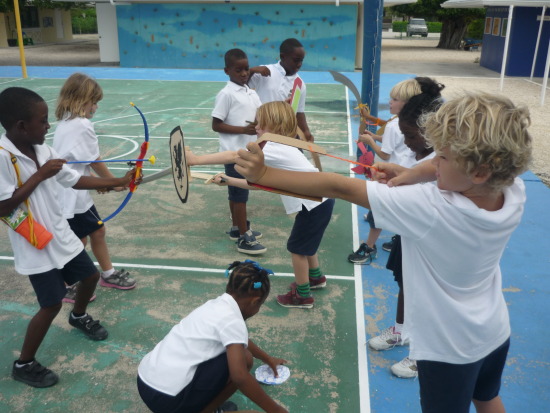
pixel 20 38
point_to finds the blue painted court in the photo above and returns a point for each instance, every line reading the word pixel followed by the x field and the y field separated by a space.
pixel 178 254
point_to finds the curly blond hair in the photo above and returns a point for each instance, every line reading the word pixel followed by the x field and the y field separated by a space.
pixel 277 117
pixel 483 130
pixel 77 91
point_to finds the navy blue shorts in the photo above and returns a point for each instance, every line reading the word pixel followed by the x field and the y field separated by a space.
pixel 395 261
pixel 235 194
pixel 50 286
pixel 209 380
pixel 370 220
pixel 309 228
pixel 450 388
pixel 86 223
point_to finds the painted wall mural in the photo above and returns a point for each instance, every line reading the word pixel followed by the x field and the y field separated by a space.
pixel 196 36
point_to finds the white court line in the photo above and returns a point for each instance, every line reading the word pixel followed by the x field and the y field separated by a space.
pixel 148 113
pixel 10 81
pixel 362 361
pixel 192 269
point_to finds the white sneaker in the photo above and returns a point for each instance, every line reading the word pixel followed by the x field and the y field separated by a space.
pixel 406 369
pixel 388 339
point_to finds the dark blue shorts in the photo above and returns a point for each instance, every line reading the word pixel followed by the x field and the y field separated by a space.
pixel 50 286
pixel 450 388
pixel 209 380
pixel 309 228
pixel 370 220
pixel 235 194
pixel 86 223
pixel 395 261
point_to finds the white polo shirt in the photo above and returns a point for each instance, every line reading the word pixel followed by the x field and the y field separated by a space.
pixel 235 105
pixel 75 140
pixel 202 335
pixel 287 157
pixel 45 207
pixel 278 86
pixel 393 142
pixel 455 311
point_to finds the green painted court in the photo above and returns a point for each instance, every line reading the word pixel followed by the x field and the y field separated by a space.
pixel 178 253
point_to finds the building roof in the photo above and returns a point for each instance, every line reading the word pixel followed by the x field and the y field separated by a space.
pixel 387 3
pixel 450 4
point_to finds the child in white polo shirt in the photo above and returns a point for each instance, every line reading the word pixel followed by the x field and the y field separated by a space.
pixel 454 230
pixel 31 178
pixel 233 118
pixel 75 140
pixel 274 82
pixel 205 358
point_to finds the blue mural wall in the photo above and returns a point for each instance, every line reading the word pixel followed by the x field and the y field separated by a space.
pixel 196 36
pixel 523 39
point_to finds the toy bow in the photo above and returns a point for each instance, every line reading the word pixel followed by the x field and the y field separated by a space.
pixel 139 163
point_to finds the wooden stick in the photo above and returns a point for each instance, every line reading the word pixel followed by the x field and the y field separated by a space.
pixel 314 156
pixel 285 140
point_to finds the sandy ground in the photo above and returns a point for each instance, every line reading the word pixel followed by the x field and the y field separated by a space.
pixel 458 70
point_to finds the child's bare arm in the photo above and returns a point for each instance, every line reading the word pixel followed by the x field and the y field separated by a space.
pixel 395 175
pixel 219 126
pixel 241 377
pixel 93 182
pixel 224 180
pixel 46 171
pixel 251 165
pixel 258 353
pixel 369 138
pixel 262 70
pixel 101 169
pixel 217 158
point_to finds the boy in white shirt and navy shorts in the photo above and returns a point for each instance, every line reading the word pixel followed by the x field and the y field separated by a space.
pixel 233 118
pixel 31 177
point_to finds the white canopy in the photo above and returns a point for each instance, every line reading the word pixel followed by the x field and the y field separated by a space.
pixel 487 3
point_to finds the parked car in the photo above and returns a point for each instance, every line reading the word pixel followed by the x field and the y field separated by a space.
pixel 417 26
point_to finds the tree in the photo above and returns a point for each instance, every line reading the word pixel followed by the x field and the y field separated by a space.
pixel 454 21
pixel 7 5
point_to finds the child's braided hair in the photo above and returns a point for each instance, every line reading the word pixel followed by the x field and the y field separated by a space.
pixel 248 278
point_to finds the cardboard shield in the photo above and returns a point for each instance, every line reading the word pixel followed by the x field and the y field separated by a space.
pixel 179 164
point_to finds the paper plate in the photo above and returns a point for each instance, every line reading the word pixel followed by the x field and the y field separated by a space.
pixel 264 374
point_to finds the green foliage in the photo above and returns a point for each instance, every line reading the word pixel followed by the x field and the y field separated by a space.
pixel 475 29
pixel 84 20
pixel 431 9
pixel 7 5
pixel 434 27
pixel 399 26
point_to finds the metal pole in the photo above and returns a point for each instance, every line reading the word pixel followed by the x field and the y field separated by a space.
pixel 20 38
pixel 506 42
pixel 545 79
pixel 372 45
pixel 538 41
